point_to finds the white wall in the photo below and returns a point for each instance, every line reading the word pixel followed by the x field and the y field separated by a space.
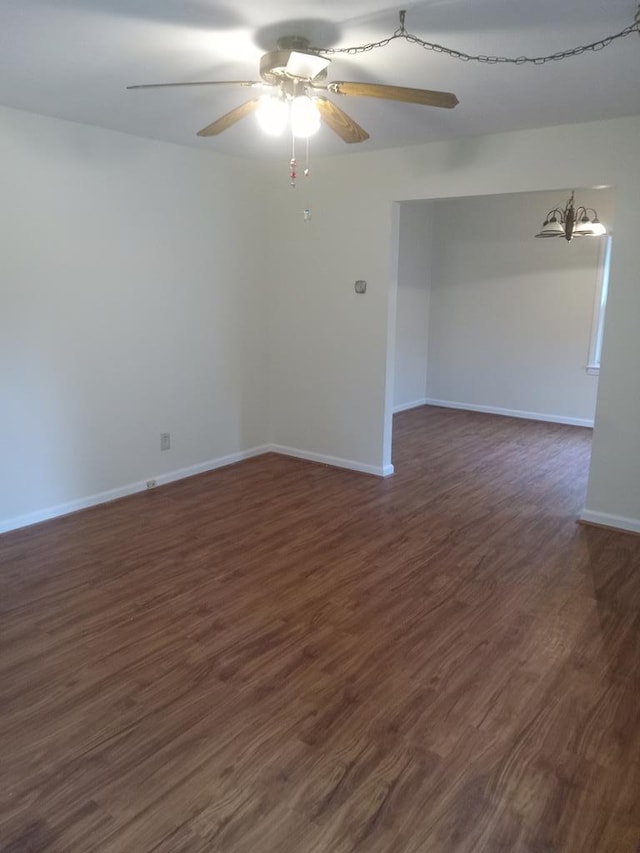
pixel 412 304
pixel 510 316
pixel 332 388
pixel 328 343
pixel 139 282
pixel 132 301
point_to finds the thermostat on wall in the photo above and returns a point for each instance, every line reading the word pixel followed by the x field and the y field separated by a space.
pixel 361 286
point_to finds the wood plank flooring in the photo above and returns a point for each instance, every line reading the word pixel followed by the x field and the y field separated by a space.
pixel 280 657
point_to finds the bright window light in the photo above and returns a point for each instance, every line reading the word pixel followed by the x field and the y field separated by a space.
pixel 599 308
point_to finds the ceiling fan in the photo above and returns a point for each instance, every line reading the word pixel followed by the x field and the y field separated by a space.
pixel 296 72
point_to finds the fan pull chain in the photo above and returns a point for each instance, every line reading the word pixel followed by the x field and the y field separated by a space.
pixel 308 160
pixel 293 163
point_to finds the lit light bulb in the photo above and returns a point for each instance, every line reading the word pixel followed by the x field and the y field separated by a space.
pixel 272 115
pixel 305 117
pixel 583 227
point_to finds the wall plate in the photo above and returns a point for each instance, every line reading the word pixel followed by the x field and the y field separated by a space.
pixel 361 286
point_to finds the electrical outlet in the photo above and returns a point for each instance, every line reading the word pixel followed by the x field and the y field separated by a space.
pixel 165 440
pixel 151 484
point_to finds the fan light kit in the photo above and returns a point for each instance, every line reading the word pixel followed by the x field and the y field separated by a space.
pixel 297 75
pixel 296 72
pixel 572 222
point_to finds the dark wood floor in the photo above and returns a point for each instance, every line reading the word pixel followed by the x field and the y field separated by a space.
pixel 281 657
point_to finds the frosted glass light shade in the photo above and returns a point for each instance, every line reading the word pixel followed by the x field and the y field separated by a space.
pixel 597 228
pixel 272 115
pixel 306 66
pixel 305 117
pixel 583 228
pixel 552 228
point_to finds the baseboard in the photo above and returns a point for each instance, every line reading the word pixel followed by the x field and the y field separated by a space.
pixel 334 461
pixel 403 407
pixel 124 491
pixel 180 474
pixel 511 413
pixel 605 519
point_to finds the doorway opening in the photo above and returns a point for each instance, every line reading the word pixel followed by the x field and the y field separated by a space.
pixel 488 319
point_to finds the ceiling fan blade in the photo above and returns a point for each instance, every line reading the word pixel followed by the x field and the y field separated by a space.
pixel 198 83
pixel 426 97
pixel 340 122
pixel 229 119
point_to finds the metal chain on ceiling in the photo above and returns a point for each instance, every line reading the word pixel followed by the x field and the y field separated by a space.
pixel 403 33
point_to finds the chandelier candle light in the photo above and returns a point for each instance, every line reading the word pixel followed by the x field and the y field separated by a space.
pixel 572 222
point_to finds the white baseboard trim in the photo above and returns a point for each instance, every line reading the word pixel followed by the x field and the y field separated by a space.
pixel 403 407
pixel 334 461
pixel 48 513
pixel 124 491
pixel 511 413
pixel 605 519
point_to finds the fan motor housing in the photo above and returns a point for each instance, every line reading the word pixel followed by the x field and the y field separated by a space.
pixel 273 65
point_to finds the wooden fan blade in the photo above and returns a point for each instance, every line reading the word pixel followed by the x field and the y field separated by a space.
pixel 229 119
pixel 198 83
pixel 340 122
pixel 426 97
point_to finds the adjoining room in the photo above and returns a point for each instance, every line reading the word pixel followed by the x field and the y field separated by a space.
pixel 491 319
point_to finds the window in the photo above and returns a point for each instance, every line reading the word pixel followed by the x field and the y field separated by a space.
pixel 599 308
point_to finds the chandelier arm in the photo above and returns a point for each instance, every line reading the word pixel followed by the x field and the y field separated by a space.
pixel 554 211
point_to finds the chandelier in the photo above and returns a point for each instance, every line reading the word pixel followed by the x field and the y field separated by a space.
pixel 572 222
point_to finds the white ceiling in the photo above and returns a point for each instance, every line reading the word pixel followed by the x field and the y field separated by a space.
pixel 73 59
